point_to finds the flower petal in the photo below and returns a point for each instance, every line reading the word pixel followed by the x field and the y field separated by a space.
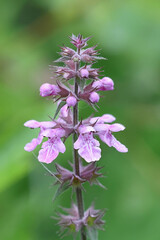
pixel 111 141
pixel 116 127
pixel 64 111
pixel 33 144
pixel 119 146
pixel 85 129
pixel 90 154
pixel 59 132
pixel 101 127
pixel 48 154
pixel 79 143
pixel 47 124
pixel 108 118
pixel 88 147
pixel 106 137
pixel 32 124
pixel 60 146
pixel 51 149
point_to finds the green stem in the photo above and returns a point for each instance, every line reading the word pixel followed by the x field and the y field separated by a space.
pixel 76 159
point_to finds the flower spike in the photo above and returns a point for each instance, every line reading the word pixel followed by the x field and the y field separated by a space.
pixel 76 80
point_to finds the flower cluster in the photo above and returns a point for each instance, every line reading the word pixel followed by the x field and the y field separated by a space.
pixel 88 85
pixel 92 219
pixel 88 147
pixel 88 173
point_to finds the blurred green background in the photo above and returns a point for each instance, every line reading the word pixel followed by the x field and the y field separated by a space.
pixel 128 32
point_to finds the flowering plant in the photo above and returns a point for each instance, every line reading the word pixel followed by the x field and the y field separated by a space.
pixel 87 87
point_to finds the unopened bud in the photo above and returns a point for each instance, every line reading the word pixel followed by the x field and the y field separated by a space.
pixel 48 89
pixel 84 73
pixel 104 84
pixel 71 101
pixel 94 97
pixel 87 58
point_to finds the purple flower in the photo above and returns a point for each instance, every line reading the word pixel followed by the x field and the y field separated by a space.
pixel 108 118
pixel 52 147
pixel 90 73
pixel 88 147
pixel 105 133
pixel 104 84
pixel 84 73
pixel 64 111
pixel 85 84
pixel 33 144
pixel 36 141
pixel 49 89
pixel 99 126
pixel 94 97
pixel 32 124
pixel 71 101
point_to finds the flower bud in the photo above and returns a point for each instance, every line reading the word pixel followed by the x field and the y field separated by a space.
pixel 66 51
pixel 79 41
pixel 48 89
pixel 94 97
pixel 84 73
pixel 86 58
pixel 104 84
pixel 71 101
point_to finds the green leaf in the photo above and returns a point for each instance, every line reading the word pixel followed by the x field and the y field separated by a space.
pixel 58 109
pixel 81 83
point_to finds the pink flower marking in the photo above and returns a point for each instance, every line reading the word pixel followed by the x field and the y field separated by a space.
pixel 88 147
pixel 50 149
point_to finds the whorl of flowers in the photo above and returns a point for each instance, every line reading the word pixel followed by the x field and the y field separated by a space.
pixel 77 65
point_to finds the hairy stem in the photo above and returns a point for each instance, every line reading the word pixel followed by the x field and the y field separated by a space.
pixel 76 158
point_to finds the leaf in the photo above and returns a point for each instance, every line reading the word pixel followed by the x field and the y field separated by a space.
pixel 62 188
pixel 59 108
pixel 82 84
pixel 92 233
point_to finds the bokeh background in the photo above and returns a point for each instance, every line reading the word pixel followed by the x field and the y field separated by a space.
pixel 128 32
